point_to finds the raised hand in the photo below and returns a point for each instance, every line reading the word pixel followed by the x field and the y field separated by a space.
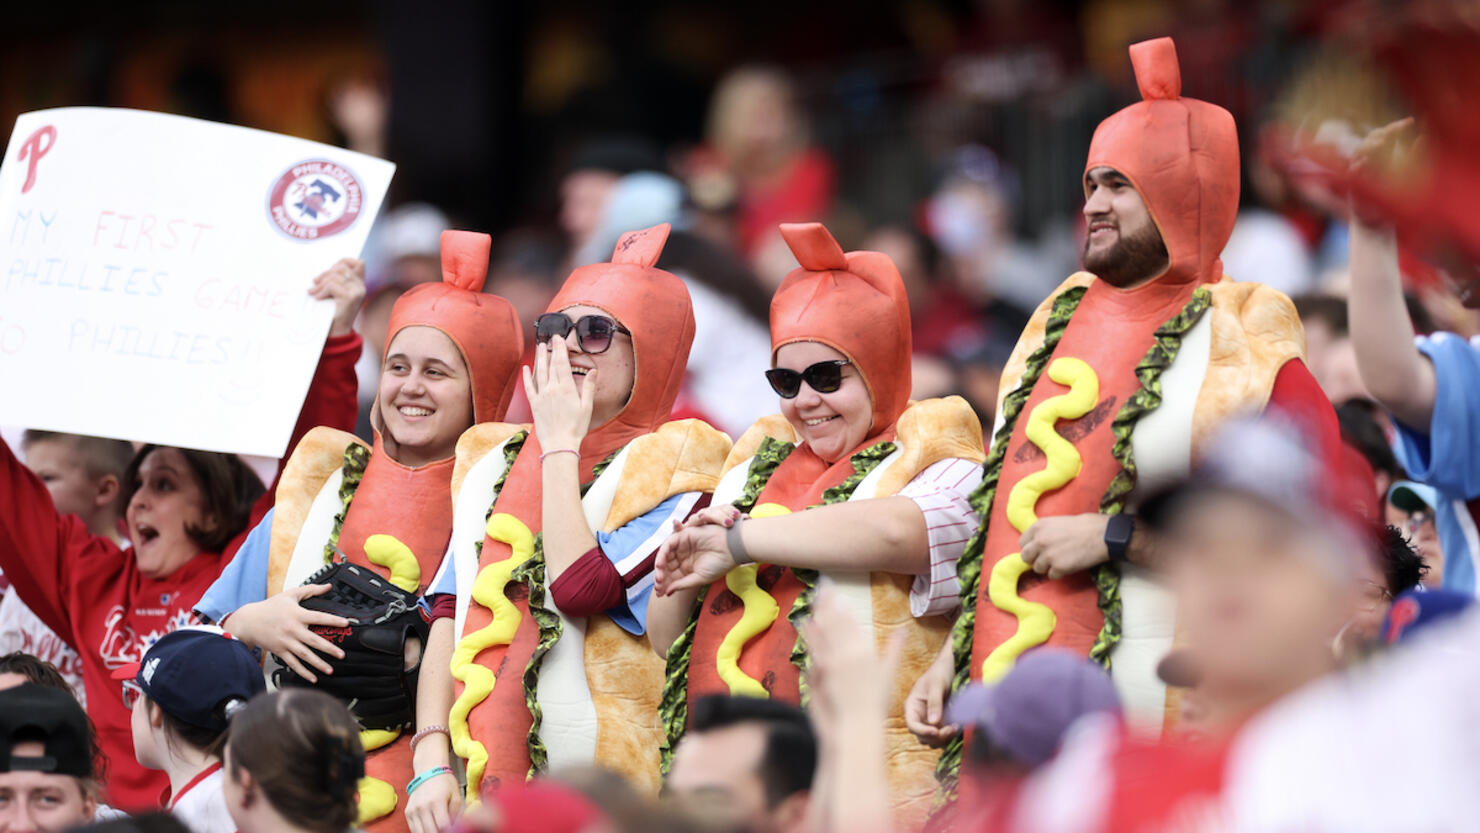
pixel 345 283
pixel 562 412
pixel 283 627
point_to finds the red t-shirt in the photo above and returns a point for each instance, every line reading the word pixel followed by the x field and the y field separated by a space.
pixel 92 594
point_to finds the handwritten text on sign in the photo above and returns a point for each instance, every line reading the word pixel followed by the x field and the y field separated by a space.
pixel 154 270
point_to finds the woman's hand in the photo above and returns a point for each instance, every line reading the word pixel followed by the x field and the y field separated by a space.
pixel 562 413
pixel 283 627
pixel 691 558
pixel 725 516
pixel 434 804
pixel 925 708
pixel 345 283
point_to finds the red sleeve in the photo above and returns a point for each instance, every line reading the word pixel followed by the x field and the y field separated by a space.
pixel 588 587
pixel 1297 396
pixel 592 585
pixel 444 606
pixel 332 400
pixel 40 549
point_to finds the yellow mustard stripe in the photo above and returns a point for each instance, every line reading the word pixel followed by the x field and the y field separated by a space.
pixel 1037 621
pixel 377 798
pixel 390 553
pixel 760 611
pixel 488 590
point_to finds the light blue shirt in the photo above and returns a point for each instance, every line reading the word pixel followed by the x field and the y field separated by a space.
pixel 629 548
pixel 1447 455
pixel 244 580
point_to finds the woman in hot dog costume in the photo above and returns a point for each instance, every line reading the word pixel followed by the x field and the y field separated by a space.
pixel 851 481
pixel 1118 379
pixel 555 531
pixel 451 358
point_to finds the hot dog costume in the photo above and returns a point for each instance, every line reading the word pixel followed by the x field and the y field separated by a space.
pixel 536 688
pixel 338 496
pixel 742 638
pixel 1109 389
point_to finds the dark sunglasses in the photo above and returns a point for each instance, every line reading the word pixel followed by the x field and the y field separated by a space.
pixel 823 377
pixel 593 332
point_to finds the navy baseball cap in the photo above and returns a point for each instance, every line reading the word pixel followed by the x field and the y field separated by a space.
pixel 51 717
pixel 1413 611
pixel 192 671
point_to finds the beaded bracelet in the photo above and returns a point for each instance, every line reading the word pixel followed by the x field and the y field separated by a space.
pixel 427 776
pixel 430 730
pixel 559 451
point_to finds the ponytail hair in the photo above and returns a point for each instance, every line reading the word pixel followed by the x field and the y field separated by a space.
pixel 303 749
pixel 201 738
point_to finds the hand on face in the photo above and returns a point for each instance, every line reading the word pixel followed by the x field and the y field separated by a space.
pixel 611 373
pixel 167 501
pixel 831 424
pixel 345 283
pixel 426 396
pixel 562 411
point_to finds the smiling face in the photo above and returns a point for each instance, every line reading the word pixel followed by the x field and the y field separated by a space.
pixel 426 397
pixel 831 424
pixel 167 501
pixel 617 368
pixel 1123 247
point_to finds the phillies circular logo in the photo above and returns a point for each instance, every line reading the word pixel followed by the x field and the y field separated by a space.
pixel 315 199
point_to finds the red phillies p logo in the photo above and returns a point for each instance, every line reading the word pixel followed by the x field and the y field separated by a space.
pixel 32 149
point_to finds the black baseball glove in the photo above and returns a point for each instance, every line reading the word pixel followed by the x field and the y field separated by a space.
pixel 372 678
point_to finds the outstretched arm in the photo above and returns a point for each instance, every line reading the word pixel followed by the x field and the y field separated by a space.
pixel 884 535
pixel 38 547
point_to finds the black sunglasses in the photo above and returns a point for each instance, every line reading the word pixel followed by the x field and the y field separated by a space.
pixel 823 377
pixel 593 332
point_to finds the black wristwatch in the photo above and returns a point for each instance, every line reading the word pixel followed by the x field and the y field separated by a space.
pixel 1118 536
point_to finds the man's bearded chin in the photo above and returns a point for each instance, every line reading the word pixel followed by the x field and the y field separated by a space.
pixel 1131 261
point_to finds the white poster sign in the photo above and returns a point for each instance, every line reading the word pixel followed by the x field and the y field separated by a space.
pixel 154 273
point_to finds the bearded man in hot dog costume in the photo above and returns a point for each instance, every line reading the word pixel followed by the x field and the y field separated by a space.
pixel 451 358
pixel 1115 384
pixel 851 482
pixel 556 529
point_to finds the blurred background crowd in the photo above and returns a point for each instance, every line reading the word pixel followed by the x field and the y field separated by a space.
pixel 949 135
